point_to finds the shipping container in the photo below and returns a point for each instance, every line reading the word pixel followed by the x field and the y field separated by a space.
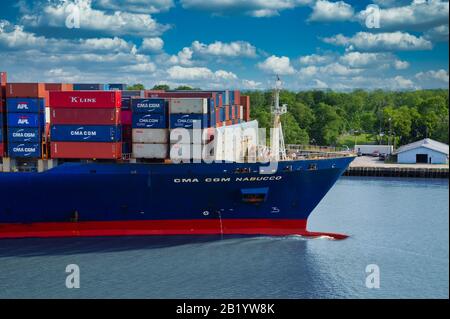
pixel 24 105
pixel 149 120
pixel 222 113
pixel 178 94
pixel 188 152
pixel 86 133
pixel 233 112
pixel 120 87
pixel 85 116
pixel 24 150
pixel 126 117
pixel 25 120
pixel 133 93
pixel 3 78
pixel 126 103
pixel 150 151
pixel 20 135
pixel 2 149
pixel 150 135
pixel 237 97
pixel 227 112
pixel 240 112
pixel 188 106
pixel 127 148
pixel 34 90
pixel 188 121
pixel 139 105
pixel 90 87
pixel 85 150
pixel 245 102
pixel 212 118
pixel 86 99
pixel 58 87
pixel 1 135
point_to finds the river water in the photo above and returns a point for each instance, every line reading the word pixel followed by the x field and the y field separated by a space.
pixel 398 226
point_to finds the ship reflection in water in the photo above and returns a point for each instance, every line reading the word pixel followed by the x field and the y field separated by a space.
pixel 401 225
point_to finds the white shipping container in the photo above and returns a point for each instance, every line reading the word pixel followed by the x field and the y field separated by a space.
pixel 188 106
pixel 151 151
pixel 150 135
pixel 227 97
pixel 241 112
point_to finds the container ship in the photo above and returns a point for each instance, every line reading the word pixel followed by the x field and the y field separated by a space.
pixel 98 160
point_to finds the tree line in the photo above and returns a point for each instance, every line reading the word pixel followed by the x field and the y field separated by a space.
pixel 322 117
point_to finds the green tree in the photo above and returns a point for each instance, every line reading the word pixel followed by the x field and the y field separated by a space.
pixel 136 87
pixel 163 87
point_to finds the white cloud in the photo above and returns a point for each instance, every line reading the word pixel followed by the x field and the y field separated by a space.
pixel 255 8
pixel 372 60
pixel 183 57
pixel 117 23
pixel 365 41
pixel 320 84
pixel 140 68
pixel 199 73
pixel 218 48
pixel 416 16
pixel 251 85
pixel 401 83
pixel 277 65
pixel 326 11
pixel 152 45
pixel 439 75
pixel 315 59
pixel 137 6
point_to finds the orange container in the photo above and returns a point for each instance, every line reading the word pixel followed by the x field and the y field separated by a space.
pixel 58 87
pixel 33 90
pixel 86 150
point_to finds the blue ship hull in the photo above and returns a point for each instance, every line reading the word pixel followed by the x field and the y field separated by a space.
pixel 76 199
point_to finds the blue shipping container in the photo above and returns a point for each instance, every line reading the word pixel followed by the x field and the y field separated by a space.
pixel 126 103
pixel 187 120
pixel 20 135
pixel 90 87
pixel 26 150
pixel 25 105
pixel 222 116
pixel 212 119
pixel 1 134
pixel 149 120
pixel 24 120
pixel 86 133
pixel 119 87
pixel 148 105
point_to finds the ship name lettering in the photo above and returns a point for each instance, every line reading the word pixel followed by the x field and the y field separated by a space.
pixel 258 178
pixel 186 180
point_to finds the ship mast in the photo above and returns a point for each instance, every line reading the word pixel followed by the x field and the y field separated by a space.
pixel 278 146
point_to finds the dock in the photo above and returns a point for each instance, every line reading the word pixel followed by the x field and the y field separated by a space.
pixel 369 166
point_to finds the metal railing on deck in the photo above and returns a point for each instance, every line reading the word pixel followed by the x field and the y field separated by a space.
pixel 316 152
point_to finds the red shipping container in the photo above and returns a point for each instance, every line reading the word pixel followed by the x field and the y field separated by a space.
pixel 217 115
pixel 245 101
pixel 126 117
pixel 233 112
pixel 237 97
pixel 86 150
pixel 220 100
pixel 85 116
pixel 2 149
pixel 86 99
pixel 58 87
pixel 227 113
pixel 35 90
pixel 3 78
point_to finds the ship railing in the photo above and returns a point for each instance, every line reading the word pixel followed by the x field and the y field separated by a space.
pixel 294 151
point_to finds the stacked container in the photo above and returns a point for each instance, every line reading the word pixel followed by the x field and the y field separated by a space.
pixel 86 125
pixel 25 107
pixel 90 87
pixel 2 113
pixel 116 86
pixel 149 128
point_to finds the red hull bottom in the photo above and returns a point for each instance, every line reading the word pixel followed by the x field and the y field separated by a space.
pixel 271 227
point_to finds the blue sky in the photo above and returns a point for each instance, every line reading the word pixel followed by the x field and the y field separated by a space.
pixel 312 44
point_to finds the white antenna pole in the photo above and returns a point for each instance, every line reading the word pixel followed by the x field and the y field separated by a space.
pixel 277 111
